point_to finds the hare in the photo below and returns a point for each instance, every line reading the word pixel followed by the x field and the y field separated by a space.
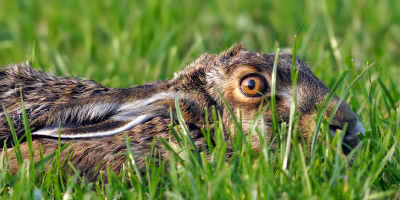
pixel 97 118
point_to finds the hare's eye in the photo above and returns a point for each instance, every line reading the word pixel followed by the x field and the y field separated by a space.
pixel 253 85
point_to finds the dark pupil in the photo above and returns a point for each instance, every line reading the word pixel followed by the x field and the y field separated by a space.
pixel 251 84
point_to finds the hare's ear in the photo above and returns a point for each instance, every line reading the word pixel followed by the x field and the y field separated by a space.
pixel 231 52
pixel 101 116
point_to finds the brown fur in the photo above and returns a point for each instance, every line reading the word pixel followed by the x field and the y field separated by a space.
pixel 83 106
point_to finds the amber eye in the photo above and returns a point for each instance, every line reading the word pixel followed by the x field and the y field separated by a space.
pixel 252 85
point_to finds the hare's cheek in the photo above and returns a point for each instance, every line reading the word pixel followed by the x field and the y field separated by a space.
pixel 307 126
pixel 255 139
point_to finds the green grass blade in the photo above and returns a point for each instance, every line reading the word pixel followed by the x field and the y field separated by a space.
pixel 28 136
pixel 293 107
pixel 348 89
pixel 16 148
pixel 275 127
pixel 46 159
pixel 323 109
pixel 187 133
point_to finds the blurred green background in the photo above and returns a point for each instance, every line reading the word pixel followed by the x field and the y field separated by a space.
pixel 123 43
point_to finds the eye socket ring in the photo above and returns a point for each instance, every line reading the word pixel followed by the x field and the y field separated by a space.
pixel 252 85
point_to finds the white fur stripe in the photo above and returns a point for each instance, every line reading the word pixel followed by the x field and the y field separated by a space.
pixel 134 108
pixel 54 131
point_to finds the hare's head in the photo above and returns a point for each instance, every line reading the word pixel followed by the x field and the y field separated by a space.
pixel 245 78
pixel 241 77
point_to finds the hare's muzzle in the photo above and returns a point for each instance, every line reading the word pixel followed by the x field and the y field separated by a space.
pixel 351 139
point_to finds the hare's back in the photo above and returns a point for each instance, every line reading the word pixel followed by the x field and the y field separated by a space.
pixel 40 91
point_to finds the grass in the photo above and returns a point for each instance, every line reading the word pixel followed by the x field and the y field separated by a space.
pixel 123 43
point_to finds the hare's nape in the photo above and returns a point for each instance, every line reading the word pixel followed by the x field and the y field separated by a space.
pixel 123 109
pixel 99 116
